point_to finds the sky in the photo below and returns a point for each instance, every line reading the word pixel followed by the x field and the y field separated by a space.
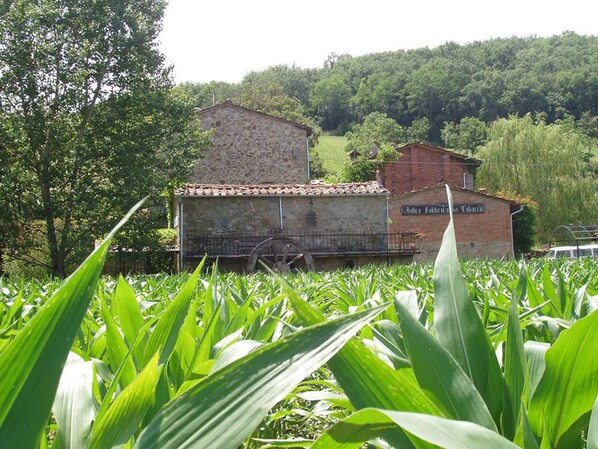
pixel 223 40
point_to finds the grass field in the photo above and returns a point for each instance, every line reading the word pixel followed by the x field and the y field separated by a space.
pixel 332 152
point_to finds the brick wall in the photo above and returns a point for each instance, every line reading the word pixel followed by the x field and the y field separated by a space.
pixel 249 147
pixel 483 235
pixel 421 166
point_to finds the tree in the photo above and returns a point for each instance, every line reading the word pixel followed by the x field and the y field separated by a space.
pixel 546 164
pixel 204 95
pixel 330 99
pixel 419 130
pixel 375 130
pixel 468 134
pixel 88 120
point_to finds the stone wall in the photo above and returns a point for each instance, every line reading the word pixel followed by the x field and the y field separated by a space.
pixel 300 215
pixel 419 167
pixel 479 235
pixel 249 147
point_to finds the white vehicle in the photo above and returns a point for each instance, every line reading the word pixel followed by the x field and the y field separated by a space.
pixel 572 251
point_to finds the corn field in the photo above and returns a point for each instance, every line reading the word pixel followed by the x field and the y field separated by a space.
pixel 474 355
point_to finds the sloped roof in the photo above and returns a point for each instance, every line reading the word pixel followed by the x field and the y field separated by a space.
pixel 453 189
pixel 230 104
pixel 465 158
pixel 371 188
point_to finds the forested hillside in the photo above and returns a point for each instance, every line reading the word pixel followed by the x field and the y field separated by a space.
pixel 555 76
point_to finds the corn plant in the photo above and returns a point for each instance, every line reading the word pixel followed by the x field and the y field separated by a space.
pixel 544 400
pixel 154 387
pixel 477 354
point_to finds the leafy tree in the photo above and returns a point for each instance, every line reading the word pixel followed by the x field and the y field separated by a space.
pixel 542 162
pixel 468 134
pixel 204 95
pixel 419 130
pixel 294 81
pixel 375 130
pixel 271 99
pixel 88 120
pixel 331 101
pixel 524 222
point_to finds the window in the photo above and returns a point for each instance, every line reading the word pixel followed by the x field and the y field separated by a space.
pixel 311 218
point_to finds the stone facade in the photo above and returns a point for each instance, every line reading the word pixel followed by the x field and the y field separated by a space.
pixel 484 234
pixel 249 147
pixel 266 215
pixel 421 166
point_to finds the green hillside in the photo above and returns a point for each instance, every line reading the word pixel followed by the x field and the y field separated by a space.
pixel 332 152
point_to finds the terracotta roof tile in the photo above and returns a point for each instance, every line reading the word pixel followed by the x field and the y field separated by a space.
pixel 464 157
pixel 456 189
pixel 312 189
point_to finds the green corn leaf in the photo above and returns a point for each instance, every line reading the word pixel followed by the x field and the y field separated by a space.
pixel 166 332
pixel 437 372
pixel 30 367
pixel 593 428
pixel 367 380
pixel 366 424
pixel 530 441
pixel 515 364
pixel 235 351
pixel 458 325
pixel 569 386
pixel 222 410
pixel 535 353
pixel 118 352
pixel 73 407
pixel 550 292
pixel 129 314
pixel 579 301
pixel 289 442
pixel 125 414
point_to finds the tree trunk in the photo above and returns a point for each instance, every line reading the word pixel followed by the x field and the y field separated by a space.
pixel 56 258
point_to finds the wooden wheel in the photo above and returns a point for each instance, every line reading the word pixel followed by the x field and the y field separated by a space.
pixel 281 255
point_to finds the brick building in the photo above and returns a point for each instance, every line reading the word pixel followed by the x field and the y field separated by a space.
pixel 421 165
pixel 418 201
pixel 482 222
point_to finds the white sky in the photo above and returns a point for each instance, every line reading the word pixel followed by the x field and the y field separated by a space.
pixel 223 40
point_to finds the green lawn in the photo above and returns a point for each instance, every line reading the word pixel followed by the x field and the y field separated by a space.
pixel 332 152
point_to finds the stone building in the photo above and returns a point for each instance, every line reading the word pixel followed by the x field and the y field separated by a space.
pixel 251 198
pixel 250 147
pixel 339 225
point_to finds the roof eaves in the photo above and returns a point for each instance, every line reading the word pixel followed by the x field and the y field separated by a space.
pixel 442 185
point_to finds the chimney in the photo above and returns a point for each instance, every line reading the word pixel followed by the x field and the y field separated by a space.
pixel 379 178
